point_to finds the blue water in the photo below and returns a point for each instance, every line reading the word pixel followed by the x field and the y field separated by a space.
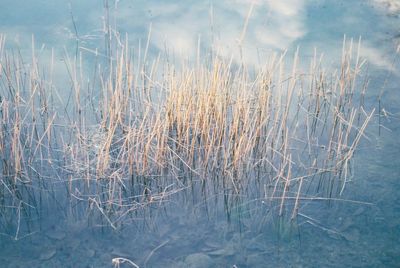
pixel 196 231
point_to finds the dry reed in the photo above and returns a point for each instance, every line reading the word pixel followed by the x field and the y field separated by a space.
pixel 143 131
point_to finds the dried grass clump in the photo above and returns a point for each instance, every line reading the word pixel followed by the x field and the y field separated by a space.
pixel 141 132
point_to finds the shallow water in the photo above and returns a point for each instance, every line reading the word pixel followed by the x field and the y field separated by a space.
pixel 196 231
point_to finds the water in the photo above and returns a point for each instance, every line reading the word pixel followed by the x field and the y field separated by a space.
pixel 191 231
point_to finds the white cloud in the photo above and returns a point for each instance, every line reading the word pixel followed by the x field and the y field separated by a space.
pixel 287 8
pixel 272 25
pixel 376 57
pixel 393 6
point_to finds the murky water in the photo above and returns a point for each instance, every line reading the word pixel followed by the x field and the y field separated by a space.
pixel 208 231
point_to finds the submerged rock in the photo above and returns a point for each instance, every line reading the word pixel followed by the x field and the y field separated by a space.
pixel 353 235
pixel 198 260
pixel 90 253
pixel 47 254
pixel 227 251
pixel 56 234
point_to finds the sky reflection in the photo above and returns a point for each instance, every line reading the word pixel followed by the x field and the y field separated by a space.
pixel 247 30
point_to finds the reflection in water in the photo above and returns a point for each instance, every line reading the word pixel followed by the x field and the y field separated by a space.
pixel 101 169
pixel 179 26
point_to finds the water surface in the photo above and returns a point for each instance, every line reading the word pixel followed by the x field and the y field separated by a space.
pixel 192 231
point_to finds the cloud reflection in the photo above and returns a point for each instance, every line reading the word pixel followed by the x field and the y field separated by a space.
pixel 273 26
